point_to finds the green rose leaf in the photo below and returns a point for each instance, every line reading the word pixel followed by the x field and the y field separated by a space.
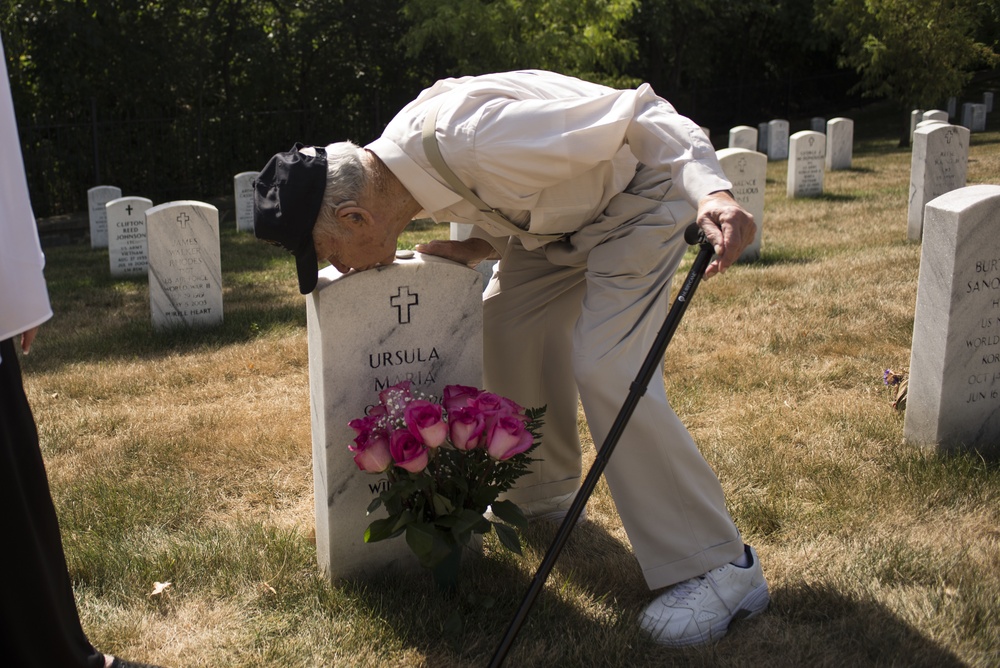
pixel 509 512
pixel 508 537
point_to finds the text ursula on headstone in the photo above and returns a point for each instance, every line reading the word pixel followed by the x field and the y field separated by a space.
pixel 420 320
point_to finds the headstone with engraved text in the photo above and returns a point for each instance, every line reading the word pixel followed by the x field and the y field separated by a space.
pixel 747 170
pixel 953 393
pixel 185 268
pixel 243 200
pixel 97 199
pixel 127 248
pixel 806 159
pixel 419 319
pixel 938 164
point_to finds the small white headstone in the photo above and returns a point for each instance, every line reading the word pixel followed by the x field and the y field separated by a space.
pixel 127 249
pixel 839 143
pixel 185 268
pixel 967 115
pixel 97 198
pixel 807 157
pixel 938 165
pixel 924 124
pixel 762 137
pixel 988 101
pixel 916 116
pixel 243 199
pixel 934 115
pixel 747 170
pixel 953 393
pixel 419 319
pixel 817 124
pixel 777 140
pixel 743 136
pixel 978 118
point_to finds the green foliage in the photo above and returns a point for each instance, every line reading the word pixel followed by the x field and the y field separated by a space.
pixel 577 37
pixel 915 53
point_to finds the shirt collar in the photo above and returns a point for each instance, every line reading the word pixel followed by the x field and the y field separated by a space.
pixel 428 191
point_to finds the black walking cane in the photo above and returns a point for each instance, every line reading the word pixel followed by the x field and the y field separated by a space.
pixel 654 360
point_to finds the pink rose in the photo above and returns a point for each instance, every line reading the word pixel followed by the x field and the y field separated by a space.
pixel 458 396
pixel 407 451
pixel 466 427
pixel 493 406
pixel 507 438
pixel 424 420
pixel 372 452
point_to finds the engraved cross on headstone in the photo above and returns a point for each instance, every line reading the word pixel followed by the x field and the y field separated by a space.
pixel 398 303
pixel 128 209
pixel 183 219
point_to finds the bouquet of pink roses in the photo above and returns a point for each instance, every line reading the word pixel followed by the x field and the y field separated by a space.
pixel 446 463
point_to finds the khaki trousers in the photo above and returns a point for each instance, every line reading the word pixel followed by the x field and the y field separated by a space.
pixel 576 320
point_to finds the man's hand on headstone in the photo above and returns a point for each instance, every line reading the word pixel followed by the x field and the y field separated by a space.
pixel 470 252
pixel 727 226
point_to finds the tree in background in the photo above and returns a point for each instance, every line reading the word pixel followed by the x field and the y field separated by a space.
pixel 584 38
pixel 916 54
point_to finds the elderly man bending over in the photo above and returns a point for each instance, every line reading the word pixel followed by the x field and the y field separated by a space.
pixel 583 193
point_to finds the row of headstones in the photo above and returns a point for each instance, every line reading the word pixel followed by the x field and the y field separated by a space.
pixel 175 244
pixel 973 114
pixel 772 139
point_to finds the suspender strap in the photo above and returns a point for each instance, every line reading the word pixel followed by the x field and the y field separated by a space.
pixel 433 153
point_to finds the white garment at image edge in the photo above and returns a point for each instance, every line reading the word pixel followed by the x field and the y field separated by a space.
pixel 24 299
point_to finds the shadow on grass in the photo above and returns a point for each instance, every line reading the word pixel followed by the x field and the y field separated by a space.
pixel 587 615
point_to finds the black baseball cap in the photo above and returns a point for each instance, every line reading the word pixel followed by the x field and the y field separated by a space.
pixel 287 197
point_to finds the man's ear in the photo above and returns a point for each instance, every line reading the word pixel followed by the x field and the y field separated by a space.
pixel 352 213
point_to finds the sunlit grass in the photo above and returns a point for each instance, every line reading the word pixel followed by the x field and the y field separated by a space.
pixel 186 458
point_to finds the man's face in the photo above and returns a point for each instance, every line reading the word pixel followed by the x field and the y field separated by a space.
pixel 362 244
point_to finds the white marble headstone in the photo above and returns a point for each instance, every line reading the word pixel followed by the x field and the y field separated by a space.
pixel 743 136
pixel 817 124
pixel 967 115
pixel 747 170
pixel 806 160
pixel 953 393
pixel 952 107
pixel 978 118
pixel 938 165
pixel 916 116
pixel 419 319
pixel 762 137
pixel 243 200
pixel 777 140
pixel 934 121
pixel 97 198
pixel 988 101
pixel 934 115
pixel 839 143
pixel 185 268
pixel 127 248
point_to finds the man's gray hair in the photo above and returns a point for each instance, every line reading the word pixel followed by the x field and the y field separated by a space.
pixel 345 180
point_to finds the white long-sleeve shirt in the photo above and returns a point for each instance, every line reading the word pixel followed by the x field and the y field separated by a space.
pixel 549 151
pixel 24 299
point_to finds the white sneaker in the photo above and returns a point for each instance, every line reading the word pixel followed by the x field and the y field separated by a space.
pixel 553 509
pixel 700 610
